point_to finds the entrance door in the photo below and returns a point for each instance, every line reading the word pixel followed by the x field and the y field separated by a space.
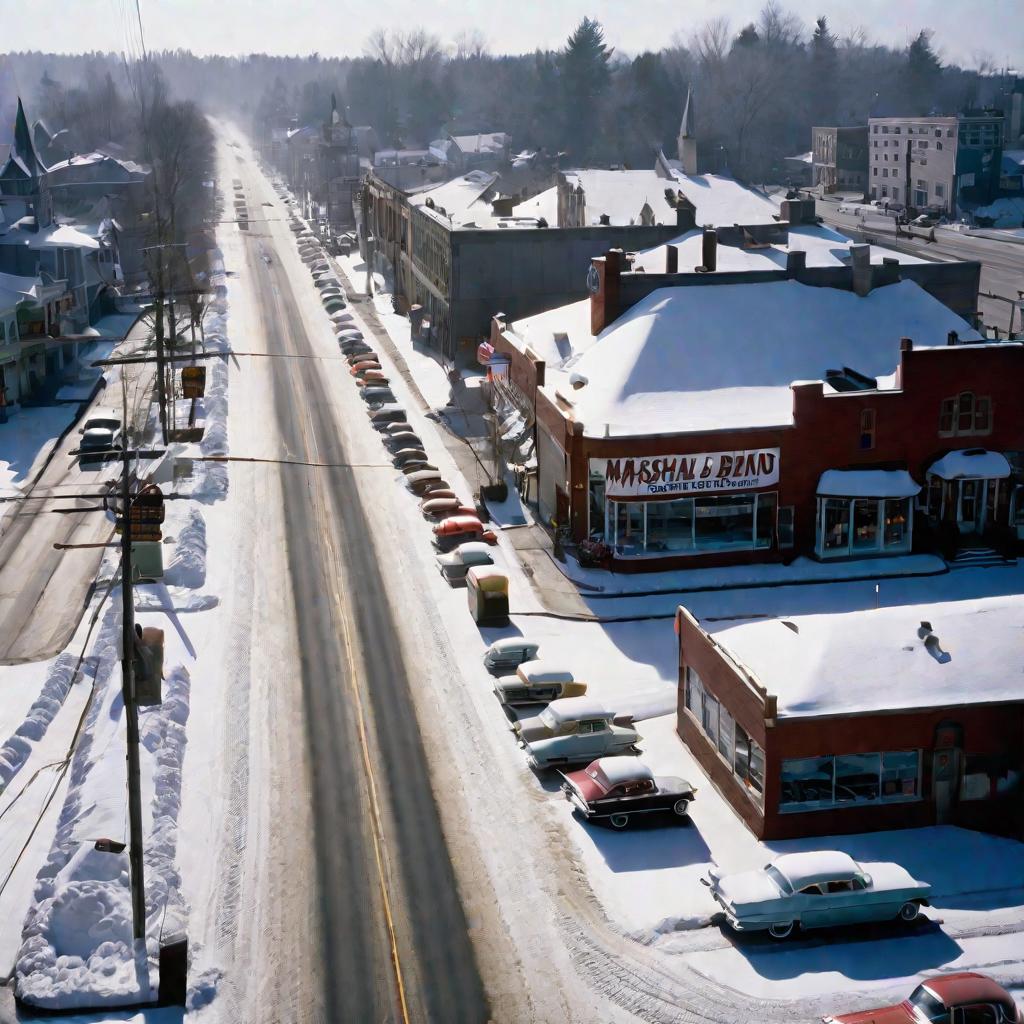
pixel 971 505
pixel 945 782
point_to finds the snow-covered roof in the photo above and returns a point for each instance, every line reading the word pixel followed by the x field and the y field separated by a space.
pixel 462 198
pixel 867 483
pixel 484 142
pixel 834 653
pixel 815 865
pixel 623 769
pixel 710 357
pixel 55 235
pixel 971 464
pixel 574 709
pixel 825 247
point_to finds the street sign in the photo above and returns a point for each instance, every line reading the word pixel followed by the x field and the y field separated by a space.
pixel 193 381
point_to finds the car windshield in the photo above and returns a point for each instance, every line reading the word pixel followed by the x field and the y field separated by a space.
pixel 928 1005
pixel 779 879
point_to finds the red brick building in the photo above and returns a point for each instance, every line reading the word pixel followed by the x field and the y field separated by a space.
pixel 837 412
pixel 842 721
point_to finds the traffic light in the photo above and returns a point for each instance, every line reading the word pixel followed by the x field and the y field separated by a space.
pixel 148 662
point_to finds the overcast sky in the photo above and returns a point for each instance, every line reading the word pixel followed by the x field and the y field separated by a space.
pixel 964 29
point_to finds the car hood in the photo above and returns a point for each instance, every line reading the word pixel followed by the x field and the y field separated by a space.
pixel 747 889
pixel 898 1014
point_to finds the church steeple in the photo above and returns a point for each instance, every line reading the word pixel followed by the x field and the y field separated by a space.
pixel 24 147
pixel 24 174
pixel 687 142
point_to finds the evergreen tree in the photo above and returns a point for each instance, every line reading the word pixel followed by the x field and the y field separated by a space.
pixel 585 76
pixel 824 72
pixel 921 74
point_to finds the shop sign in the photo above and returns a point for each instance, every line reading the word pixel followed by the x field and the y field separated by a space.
pixel 667 475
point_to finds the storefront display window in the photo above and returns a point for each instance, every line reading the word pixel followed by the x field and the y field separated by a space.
pixel 742 754
pixel 720 522
pixel 859 526
pixel 845 780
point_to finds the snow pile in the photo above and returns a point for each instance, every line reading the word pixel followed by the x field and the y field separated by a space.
pixel 187 567
pixel 1007 212
pixel 14 753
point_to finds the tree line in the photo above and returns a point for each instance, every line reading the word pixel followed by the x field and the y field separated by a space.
pixel 758 88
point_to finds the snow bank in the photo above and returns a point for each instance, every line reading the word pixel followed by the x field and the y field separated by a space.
pixel 1007 212
pixel 187 567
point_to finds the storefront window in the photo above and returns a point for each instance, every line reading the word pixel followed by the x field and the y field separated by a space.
pixel 709 720
pixel 713 523
pixel 726 732
pixel 859 526
pixel 846 780
pixel 836 536
pixel 694 692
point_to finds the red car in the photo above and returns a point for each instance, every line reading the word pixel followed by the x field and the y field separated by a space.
pixel 454 530
pixel 966 998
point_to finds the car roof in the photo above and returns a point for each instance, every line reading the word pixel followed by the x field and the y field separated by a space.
pixel 473 548
pixel 514 643
pixel 539 671
pixel 815 866
pixel 967 987
pixel 574 709
pixel 623 769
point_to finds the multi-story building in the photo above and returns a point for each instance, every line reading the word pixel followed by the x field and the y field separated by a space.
pixel 840 158
pixel 940 163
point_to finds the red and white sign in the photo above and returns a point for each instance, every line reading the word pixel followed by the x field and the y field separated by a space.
pixel 665 476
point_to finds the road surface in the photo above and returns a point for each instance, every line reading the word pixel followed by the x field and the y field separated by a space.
pixel 43 590
pixel 1002 263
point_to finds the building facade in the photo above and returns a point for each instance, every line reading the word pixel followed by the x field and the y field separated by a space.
pixel 840 159
pixel 936 163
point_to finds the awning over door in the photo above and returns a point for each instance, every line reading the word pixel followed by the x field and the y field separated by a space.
pixel 971 464
pixel 867 483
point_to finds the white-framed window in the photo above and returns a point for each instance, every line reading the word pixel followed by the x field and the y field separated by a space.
pixel 849 780
pixel 743 755
pixel 967 413
pixel 855 527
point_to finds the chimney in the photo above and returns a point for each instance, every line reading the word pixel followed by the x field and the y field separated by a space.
pixel 796 264
pixel 503 207
pixel 890 270
pixel 604 220
pixel 671 259
pixel 708 252
pixel 604 283
pixel 952 338
pixel 861 269
pixel 792 211
pixel 686 213
pixel 906 344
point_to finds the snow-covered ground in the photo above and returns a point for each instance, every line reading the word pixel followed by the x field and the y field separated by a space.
pixel 25 440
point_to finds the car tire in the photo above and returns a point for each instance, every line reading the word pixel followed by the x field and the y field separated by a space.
pixel 910 911
pixel 681 807
pixel 618 821
pixel 781 931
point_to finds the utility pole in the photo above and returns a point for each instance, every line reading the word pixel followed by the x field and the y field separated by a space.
pixel 161 383
pixel 131 709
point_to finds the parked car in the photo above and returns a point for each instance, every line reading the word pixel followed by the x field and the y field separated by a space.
pixel 401 427
pixel 417 466
pixel 362 366
pixel 817 889
pixel 575 730
pixel 377 395
pixel 100 433
pixel 538 682
pixel 420 482
pixel 439 508
pixel 350 332
pixel 404 455
pixel 380 418
pixel 358 352
pixel 455 530
pixel 402 439
pixel 373 377
pixel 961 998
pixel 925 220
pixel 617 790
pixel 509 652
pixel 439 493
pixel 459 561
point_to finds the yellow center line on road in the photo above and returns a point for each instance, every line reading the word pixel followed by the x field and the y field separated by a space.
pixel 327 525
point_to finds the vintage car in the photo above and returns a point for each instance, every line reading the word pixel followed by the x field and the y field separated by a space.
pixel 100 433
pixel 372 377
pixel 342 321
pixel 417 466
pixel 362 366
pixel 575 730
pixel 358 352
pixel 439 508
pixel 617 790
pixel 348 333
pixel 403 439
pixel 375 396
pixel 406 455
pixel 439 492
pixel 380 418
pixel 962 998
pixel 402 426
pixel 459 561
pixel 816 889
pixel 455 530
pixel 420 482
pixel 538 682
pixel 509 652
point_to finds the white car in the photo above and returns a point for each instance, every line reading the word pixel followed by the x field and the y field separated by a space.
pixel 816 889
pixel 509 653
pixel 456 564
